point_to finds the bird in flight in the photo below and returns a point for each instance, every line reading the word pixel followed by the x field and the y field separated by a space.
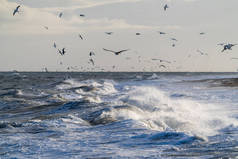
pixel 202 33
pixel 228 47
pixel 16 10
pixel 46 27
pixel 82 15
pixel 202 53
pixel 137 33
pixel 60 15
pixel 54 45
pixel 166 7
pixel 109 33
pixel 173 39
pixel 91 60
pixel 91 53
pixel 162 33
pixel 80 36
pixel 160 60
pixel 115 52
pixel 62 52
pixel 162 66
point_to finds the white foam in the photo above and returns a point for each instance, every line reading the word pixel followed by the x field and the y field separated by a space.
pixel 153 76
pixel 69 83
pixel 157 111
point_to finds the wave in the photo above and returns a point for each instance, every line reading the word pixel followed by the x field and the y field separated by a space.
pixel 155 110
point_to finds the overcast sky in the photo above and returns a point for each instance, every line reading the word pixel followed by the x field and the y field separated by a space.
pixel 27 46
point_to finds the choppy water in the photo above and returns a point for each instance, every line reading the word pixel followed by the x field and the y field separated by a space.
pixel 118 115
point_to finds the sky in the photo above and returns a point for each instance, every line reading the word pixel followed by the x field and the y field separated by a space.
pixel 26 45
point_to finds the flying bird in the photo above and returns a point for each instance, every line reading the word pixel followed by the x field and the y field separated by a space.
pixel 161 60
pixel 166 7
pixel 54 45
pixel 46 27
pixel 228 47
pixel 80 36
pixel 137 33
pixel 162 66
pixel 91 53
pixel 202 33
pixel 91 60
pixel 62 52
pixel 60 15
pixel 16 10
pixel 173 39
pixel 82 15
pixel 202 53
pixel 109 33
pixel 162 33
pixel 115 52
pixel 173 45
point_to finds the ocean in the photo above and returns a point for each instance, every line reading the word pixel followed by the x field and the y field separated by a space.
pixel 106 115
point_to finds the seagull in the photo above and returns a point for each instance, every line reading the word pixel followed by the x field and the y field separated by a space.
pixel 62 52
pixel 46 70
pixel 202 33
pixel 202 53
pixel 80 36
pixel 54 45
pixel 16 10
pixel 173 45
pixel 173 39
pixel 137 33
pixel 60 15
pixel 228 47
pixel 109 33
pixel 91 60
pixel 46 27
pixel 162 33
pixel 162 66
pixel 82 15
pixel 116 52
pixel 91 53
pixel 165 7
pixel 160 60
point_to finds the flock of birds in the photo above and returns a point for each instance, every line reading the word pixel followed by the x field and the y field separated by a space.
pixel 226 46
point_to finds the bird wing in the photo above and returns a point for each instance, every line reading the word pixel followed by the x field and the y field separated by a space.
pixel 80 36
pixel 60 52
pixel 92 61
pixel 109 50
pixel 16 10
pixel 122 51
pixel 109 33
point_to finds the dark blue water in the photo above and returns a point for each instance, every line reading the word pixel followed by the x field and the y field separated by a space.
pixel 118 115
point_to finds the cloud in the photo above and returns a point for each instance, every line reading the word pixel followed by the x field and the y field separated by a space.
pixel 70 4
pixel 33 20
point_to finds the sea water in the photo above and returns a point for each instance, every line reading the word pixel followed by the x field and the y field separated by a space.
pixel 118 115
